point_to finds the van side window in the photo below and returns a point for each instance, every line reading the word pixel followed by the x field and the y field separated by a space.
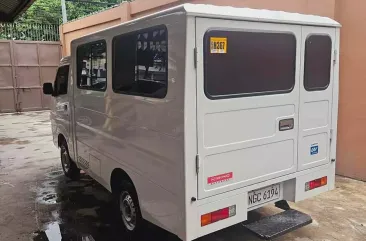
pixel 239 63
pixel 318 58
pixel 140 63
pixel 61 80
pixel 92 66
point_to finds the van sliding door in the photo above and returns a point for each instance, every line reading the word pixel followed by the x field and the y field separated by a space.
pixel 247 102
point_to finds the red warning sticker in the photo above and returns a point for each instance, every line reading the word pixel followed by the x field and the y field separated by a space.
pixel 220 178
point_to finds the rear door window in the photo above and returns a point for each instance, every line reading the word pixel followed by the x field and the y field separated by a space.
pixel 238 63
pixel 318 57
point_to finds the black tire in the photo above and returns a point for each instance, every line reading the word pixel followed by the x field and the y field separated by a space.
pixel 126 195
pixel 68 165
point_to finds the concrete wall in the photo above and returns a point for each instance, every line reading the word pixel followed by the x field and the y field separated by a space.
pixel 351 152
pixel 93 23
pixel 139 8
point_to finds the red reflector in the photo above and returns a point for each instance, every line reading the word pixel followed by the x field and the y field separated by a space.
pixel 316 183
pixel 219 215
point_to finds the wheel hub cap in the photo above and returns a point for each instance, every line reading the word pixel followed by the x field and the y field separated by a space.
pixel 128 211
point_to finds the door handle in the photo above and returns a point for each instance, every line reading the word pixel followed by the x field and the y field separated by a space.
pixel 286 124
pixel 66 110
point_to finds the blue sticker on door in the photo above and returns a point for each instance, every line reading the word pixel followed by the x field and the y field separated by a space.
pixel 314 149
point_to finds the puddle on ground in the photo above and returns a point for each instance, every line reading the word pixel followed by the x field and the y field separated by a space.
pixel 48 198
pixel 50 183
pixel 82 211
pixel 54 174
pixel 55 232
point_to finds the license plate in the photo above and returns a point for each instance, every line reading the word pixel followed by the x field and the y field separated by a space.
pixel 263 195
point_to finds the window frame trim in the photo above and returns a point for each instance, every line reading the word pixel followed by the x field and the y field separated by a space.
pixel 167 63
pixel 77 62
pixel 252 94
pixel 330 64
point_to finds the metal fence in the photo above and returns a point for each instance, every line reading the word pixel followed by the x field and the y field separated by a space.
pixel 30 32
pixel 24 67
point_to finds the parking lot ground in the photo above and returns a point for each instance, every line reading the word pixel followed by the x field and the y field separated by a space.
pixel 38 203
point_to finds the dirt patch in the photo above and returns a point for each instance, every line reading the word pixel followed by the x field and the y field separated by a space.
pixel 22 142
pixel 7 141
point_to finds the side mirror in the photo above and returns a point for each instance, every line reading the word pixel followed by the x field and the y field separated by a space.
pixel 47 89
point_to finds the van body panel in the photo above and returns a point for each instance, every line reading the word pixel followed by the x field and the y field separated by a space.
pixel 316 108
pixel 60 113
pixel 142 136
pixel 293 190
pixel 239 200
pixel 241 135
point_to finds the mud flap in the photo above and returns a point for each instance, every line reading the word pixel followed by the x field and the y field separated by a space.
pixel 279 224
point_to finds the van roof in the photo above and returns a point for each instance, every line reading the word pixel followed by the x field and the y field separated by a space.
pixel 258 15
pixel 234 13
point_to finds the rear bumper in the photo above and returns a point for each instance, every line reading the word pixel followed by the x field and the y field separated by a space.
pixel 293 190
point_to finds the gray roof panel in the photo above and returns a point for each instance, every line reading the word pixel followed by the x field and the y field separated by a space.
pixel 259 15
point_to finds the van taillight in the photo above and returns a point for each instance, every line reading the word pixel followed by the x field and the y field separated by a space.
pixel 316 183
pixel 218 215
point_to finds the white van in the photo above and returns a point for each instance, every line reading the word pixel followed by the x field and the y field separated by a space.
pixel 196 115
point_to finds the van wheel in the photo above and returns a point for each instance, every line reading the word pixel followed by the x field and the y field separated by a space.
pixel 129 209
pixel 70 169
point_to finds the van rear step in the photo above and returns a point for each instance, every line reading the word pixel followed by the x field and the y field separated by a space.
pixel 279 224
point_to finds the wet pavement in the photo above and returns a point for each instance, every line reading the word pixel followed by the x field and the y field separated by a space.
pixel 38 203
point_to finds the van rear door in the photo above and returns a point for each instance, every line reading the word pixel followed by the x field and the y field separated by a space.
pixel 316 96
pixel 248 92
